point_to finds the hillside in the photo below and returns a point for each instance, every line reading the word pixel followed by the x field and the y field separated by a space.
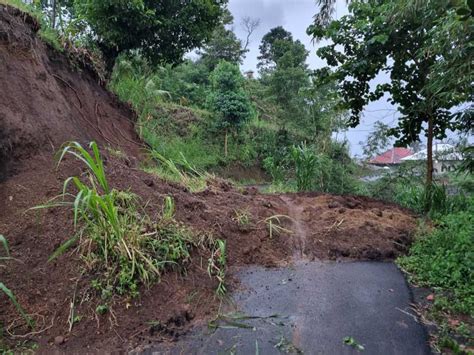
pixel 47 99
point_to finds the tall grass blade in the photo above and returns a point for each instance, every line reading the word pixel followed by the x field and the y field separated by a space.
pixel 63 248
pixel 12 298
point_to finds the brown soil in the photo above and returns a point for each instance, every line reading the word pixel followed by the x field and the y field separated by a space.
pixel 44 101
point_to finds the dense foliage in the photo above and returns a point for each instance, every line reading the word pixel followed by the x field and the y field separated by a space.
pixel 163 30
pixel 228 99
pixel 378 38
pixel 444 258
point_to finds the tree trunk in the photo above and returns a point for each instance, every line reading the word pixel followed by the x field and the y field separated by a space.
pixel 53 14
pixel 225 143
pixel 429 164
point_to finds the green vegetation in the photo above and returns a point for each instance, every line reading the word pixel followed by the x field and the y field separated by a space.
pixel 46 33
pixel 118 240
pixel 442 255
pixel 421 78
pixel 350 341
pixel 191 135
pixel 443 258
pixel 7 291
pixel 217 265
pixel 181 172
pixel 228 100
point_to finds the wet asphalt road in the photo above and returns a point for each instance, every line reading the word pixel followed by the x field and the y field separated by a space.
pixel 310 308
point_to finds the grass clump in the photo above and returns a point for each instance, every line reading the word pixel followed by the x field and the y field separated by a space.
pixel 179 171
pixel 242 217
pixel 217 264
pixel 117 238
pixel 274 225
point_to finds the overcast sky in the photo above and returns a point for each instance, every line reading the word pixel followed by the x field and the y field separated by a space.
pixel 295 16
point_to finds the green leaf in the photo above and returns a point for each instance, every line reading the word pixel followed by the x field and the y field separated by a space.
pixel 62 249
pixel 4 242
pixel 12 298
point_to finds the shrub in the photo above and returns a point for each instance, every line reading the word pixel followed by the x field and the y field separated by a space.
pixel 330 171
pixel 444 258
pixel 305 161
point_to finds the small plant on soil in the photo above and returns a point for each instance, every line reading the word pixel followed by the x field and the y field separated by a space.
pixel 274 225
pixel 117 238
pixel 286 346
pixel 168 208
pixel 242 217
pixel 6 290
pixel 217 265
pixel 181 172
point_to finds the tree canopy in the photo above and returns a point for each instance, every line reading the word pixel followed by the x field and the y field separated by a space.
pixel 228 98
pixel 163 30
pixel 270 52
pixel 375 38
pixel 223 45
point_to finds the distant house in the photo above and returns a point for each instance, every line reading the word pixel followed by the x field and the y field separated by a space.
pixel 249 74
pixel 391 157
pixel 445 157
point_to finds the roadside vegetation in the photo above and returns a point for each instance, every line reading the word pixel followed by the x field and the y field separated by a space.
pixel 117 239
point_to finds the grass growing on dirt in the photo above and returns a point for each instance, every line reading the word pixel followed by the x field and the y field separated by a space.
pixel 6 290
pixel 179 171
pixel 443 259
pixel 217 264
pixel 117 238
pixel 47 34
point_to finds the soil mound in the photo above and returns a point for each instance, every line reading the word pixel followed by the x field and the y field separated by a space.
pixel 44 101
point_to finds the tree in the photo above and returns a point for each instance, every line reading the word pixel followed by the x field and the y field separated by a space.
pixel 163 30
pixel 223 45
pixel 289 78
pixel 371 40
pixel 249 25
pixel 269 53
pixel 284 71
pixel 450 25
pixel 377 141
pixel 228 99
pixel 324 117
pixel 326 9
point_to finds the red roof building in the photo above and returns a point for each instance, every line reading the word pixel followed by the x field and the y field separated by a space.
pixel 391 157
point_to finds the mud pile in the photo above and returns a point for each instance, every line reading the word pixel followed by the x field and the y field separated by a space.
pixel 46 100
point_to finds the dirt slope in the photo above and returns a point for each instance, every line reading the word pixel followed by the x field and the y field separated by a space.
pixel 45 101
